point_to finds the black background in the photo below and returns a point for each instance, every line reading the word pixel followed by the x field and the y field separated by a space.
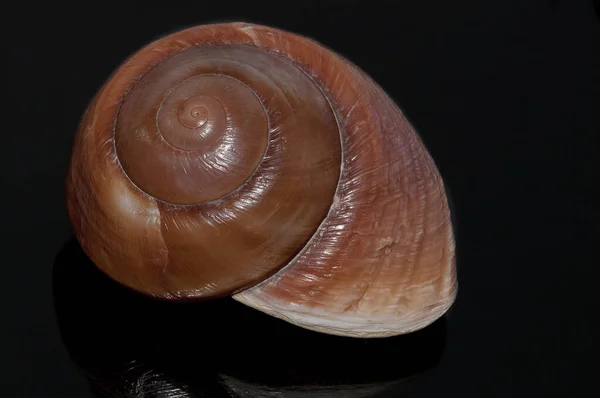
pixel 505 94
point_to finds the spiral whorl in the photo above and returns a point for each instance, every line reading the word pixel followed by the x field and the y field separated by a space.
pixel 225 160
pixel 185 135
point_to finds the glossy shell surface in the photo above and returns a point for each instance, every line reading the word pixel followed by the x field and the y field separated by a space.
pixel 246 160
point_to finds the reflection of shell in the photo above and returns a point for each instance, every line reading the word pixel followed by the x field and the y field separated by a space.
pixel 240 159
pixel 239 389
pixel 145 347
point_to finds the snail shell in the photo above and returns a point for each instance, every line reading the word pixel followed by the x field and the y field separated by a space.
pixel 236 159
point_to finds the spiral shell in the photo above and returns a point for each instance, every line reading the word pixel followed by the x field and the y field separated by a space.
pixel 241 159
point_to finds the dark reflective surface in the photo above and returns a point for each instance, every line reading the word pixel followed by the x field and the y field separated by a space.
pixel 130 345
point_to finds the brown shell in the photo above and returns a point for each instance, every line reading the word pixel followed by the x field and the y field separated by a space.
pixel 326 210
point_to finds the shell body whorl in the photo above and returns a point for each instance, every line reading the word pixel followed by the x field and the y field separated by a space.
pixel 241 159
